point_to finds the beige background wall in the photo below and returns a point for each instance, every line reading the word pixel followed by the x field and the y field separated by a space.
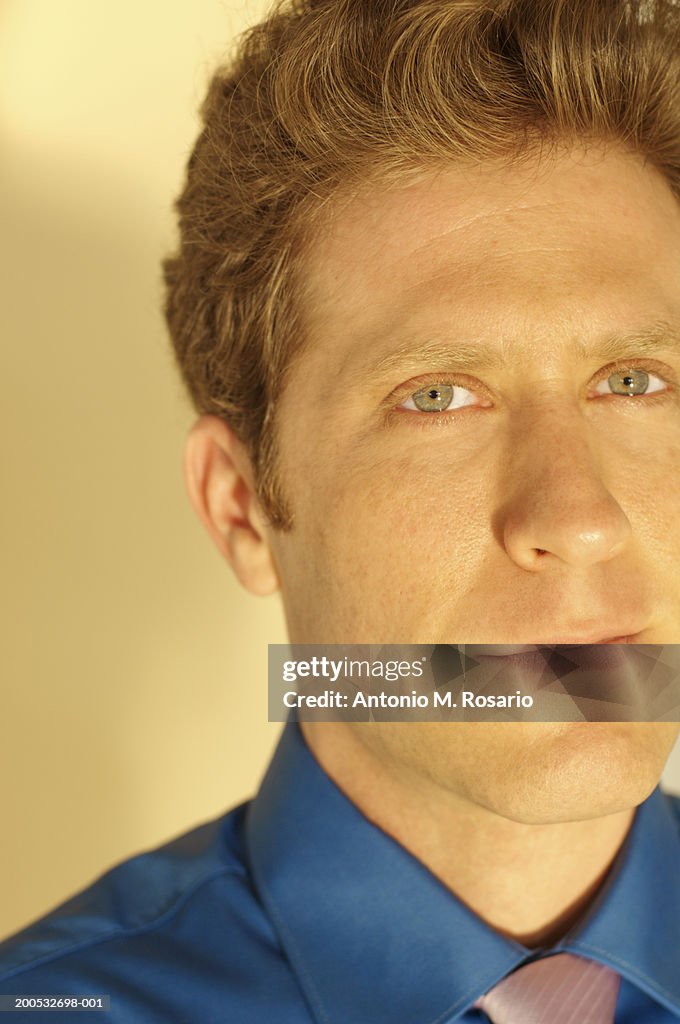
pixel 133 684
pixel 133 665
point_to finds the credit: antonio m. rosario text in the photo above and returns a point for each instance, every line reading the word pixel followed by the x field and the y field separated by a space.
pixel 467 699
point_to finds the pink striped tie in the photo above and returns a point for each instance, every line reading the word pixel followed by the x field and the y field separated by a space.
pixel 560 989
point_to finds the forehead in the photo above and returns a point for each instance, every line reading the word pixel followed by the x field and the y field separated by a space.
pixel 573 238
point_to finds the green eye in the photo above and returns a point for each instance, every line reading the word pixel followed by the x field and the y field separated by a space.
pixel 438 398
pixel 629 382
pixel 433 399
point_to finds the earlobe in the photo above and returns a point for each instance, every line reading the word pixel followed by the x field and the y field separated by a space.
pixel 220 483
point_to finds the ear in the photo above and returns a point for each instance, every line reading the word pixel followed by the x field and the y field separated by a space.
pixel 220 483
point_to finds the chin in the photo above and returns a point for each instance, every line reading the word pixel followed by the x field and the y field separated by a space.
pixel 582 770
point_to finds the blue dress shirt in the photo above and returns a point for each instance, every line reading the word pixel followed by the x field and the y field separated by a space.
pixel 295 909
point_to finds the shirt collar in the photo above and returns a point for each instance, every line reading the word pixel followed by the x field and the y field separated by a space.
pixel 633 924
pixel 372 935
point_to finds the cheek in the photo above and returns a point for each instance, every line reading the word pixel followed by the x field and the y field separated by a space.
pixel 409 520
pixel 646 480
pixel 386 548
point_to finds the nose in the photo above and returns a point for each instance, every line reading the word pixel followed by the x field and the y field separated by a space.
pixel 560 507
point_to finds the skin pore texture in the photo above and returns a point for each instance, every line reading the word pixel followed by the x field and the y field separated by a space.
pixel 541 506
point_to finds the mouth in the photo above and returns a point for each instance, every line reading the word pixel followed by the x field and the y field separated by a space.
pixel 507 650
pixel 599 658
pixel 606 679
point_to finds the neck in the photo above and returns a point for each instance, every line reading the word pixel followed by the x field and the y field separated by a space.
pixel 531 883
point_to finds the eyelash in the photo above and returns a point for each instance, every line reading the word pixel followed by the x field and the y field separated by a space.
pixel 412 387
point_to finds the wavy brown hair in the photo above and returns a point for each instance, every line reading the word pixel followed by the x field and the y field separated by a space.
pixel 325 96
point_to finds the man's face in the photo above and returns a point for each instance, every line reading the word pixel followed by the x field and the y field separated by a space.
pixel 542 504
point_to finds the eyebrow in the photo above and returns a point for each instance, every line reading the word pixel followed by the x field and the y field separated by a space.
pixel 481 355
